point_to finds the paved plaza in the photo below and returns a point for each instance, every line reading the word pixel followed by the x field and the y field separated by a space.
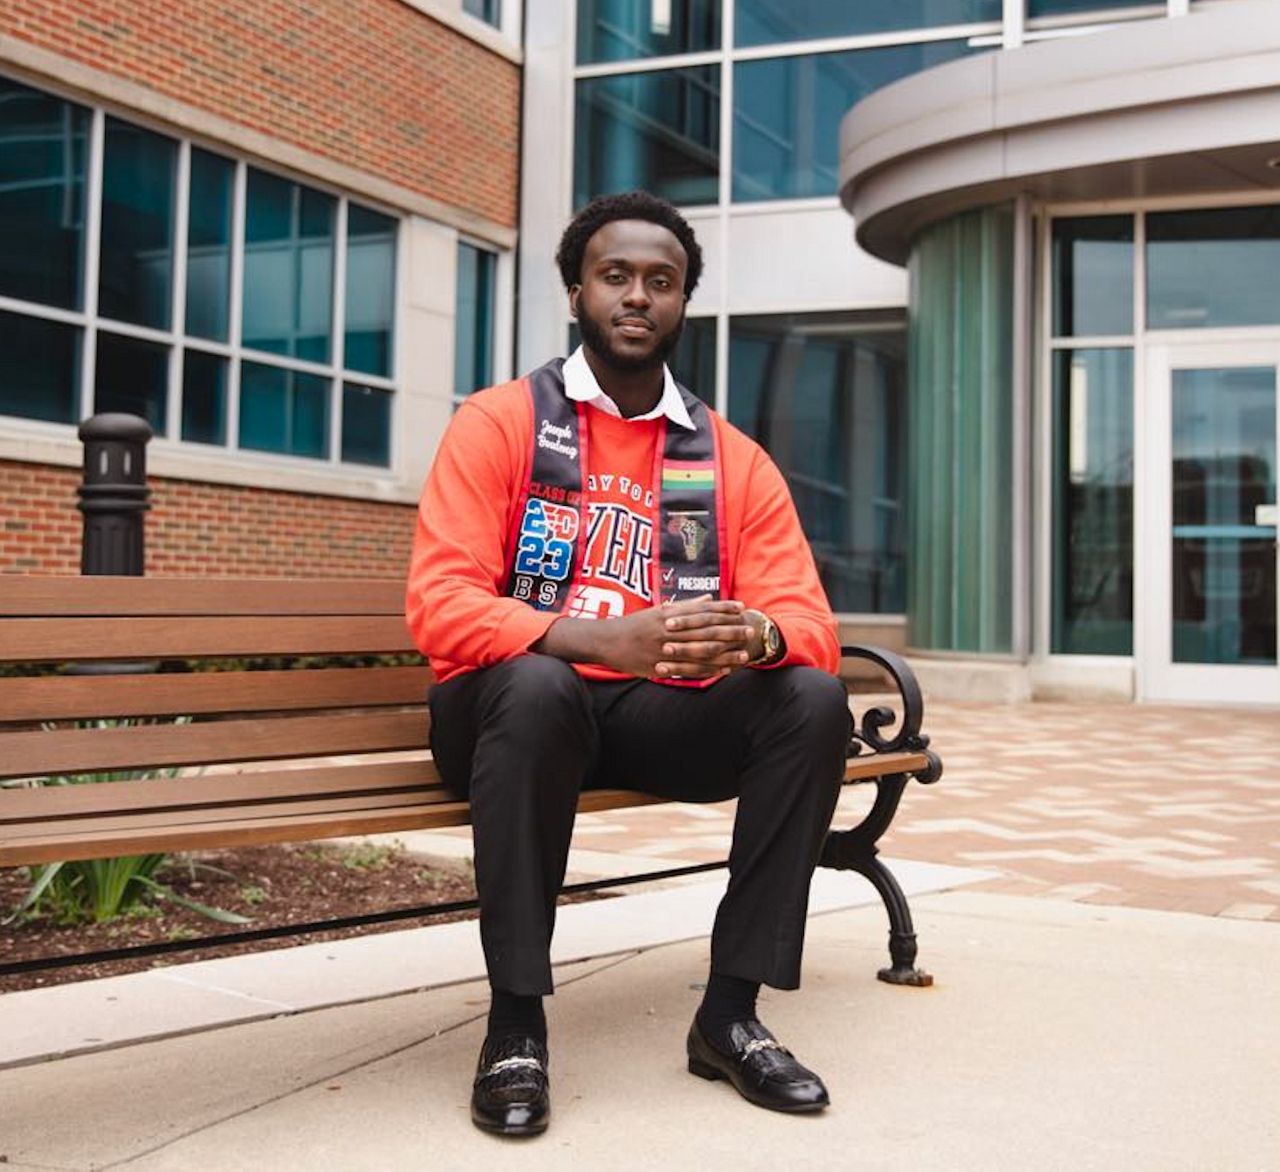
pixel 1173 809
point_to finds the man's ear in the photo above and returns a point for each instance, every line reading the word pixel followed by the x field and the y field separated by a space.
pixel 575 292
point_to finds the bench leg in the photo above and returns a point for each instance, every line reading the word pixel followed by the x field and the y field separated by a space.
pixel 855 850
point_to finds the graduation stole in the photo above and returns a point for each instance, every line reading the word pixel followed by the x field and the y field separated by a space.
pixel 547 542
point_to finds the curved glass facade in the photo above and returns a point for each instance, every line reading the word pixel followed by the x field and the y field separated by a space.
pixel 960 444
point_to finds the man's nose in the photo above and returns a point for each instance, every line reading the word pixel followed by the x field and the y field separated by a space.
pixel 636 293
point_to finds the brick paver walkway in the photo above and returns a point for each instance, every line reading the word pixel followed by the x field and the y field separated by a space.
pixel 1111 804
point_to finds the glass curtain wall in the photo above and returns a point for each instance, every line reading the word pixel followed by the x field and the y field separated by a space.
pixel 267 325
pixel 825 395
pixel 960 446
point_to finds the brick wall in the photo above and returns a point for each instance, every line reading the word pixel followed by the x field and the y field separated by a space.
pixel 373 84
pixel 206 529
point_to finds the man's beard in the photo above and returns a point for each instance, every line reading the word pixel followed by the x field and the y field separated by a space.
pixel 597 341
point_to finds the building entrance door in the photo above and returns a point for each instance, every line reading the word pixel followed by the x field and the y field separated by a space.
pixel 1208 609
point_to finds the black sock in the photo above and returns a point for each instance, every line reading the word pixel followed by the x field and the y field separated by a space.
pixel 510 1013
pixel 727 999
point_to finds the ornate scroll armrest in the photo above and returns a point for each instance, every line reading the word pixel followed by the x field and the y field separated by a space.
pixel 868 733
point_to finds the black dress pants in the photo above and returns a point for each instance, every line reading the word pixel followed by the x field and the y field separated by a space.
pixel 524 737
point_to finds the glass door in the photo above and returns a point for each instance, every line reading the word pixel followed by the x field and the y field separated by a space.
pixel 1209 532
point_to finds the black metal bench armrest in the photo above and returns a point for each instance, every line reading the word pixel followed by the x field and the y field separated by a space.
pixel 868 733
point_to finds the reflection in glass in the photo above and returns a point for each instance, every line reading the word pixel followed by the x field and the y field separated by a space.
pixel 1093 276
pixel 623 30
pixel 787 111
pixel 769 22
pixel 209 245
pixel 204 397
pixel 693 361
pixel 490 11
pixel 42 164
pixel 1215 267
pixel 132 376
pixel 825 394
pixel 366 425
pixel 283 410
pixel 473 333
pixel 1093 502
pixel 658 131
pixel 39 368
pixel 288 268
pixel 1224 563
pixel 135 281
pixel 371 288
pixel 1066 7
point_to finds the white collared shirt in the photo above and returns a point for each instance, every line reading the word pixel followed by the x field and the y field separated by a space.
pixel 581 386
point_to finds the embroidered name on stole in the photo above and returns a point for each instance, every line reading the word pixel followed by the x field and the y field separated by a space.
pixel 548 540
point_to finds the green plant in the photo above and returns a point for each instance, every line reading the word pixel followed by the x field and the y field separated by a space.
pixel 370 856
pixel 73 891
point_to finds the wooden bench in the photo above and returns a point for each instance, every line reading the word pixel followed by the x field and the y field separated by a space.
pixel 312 747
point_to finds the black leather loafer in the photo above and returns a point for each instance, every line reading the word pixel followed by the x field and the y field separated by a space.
pixel 511 1095
pixel 760 1069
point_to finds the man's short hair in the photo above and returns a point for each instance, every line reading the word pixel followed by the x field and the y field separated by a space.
pixel 630 205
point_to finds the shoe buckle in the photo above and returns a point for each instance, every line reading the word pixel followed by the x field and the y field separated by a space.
pixel 512 1064
pixel 758 1044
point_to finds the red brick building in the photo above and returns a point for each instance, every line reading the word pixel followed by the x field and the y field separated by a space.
pixel 280 230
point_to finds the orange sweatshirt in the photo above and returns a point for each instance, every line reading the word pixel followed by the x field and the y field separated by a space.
pixel 454 605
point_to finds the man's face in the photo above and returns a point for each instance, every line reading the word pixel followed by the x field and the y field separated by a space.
pixel 630 305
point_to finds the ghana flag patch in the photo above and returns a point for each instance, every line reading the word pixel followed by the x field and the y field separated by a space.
pixel 697 474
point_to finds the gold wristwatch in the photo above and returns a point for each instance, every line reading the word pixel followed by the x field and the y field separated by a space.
pixel 770 638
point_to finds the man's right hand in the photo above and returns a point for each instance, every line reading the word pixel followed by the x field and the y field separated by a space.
pixel 694 639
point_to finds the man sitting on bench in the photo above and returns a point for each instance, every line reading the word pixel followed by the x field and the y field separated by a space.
pixel 614 591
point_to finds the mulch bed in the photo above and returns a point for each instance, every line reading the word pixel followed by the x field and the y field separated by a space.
pixel 274 885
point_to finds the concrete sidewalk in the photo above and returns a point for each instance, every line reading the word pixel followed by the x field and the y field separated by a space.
pixel 1058 1036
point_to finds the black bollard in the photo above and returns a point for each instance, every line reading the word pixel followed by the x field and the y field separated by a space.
pixel 113 494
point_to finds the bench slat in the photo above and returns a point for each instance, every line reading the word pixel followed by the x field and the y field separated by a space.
pixel 210 789
pixel 265 829
pixel 180 694
pixel 38 595
pixel 57 639
pixel 36 754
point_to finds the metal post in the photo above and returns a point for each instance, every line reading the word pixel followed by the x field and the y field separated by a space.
pixel 113 494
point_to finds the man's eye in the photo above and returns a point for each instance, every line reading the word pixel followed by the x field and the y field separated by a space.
pixel 662 283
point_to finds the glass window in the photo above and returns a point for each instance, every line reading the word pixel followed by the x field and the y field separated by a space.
pixel 209 245
pixel 787 111
pixel 658 131
pixel 490 11
pixel 1224 561
pixel 288 268
pixel 371 290
pixel 825 394
pixel 139 172
pixel 770 22
pixel 693 361
pixel 473 333
pixel 1093 502
pixel 1037 8
pixel 132 376
pixel 1093 276
pixel 1215 267
pixel 283 410
pixel 623 30
pixel 366 425
pixel 39 368
pixel 204 398
pixel 43 151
